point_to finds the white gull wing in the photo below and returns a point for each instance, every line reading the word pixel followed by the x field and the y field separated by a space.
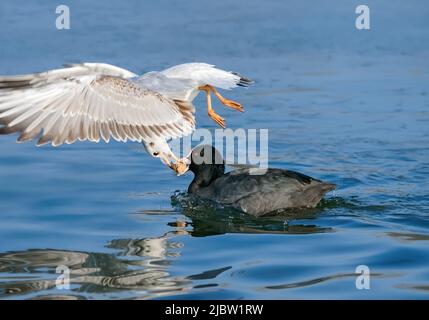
pixel 91 102
pixel 203 73
pixel 70 70
pixel 173 88
pixel 182 81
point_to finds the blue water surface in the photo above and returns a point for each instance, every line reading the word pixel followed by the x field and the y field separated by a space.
pixel 344 105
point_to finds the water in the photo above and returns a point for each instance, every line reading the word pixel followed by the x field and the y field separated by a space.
pixel 347 106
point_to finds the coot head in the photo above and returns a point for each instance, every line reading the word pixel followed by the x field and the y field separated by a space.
pixel 207 165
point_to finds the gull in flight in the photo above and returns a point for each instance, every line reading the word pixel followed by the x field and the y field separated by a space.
pixel 97 101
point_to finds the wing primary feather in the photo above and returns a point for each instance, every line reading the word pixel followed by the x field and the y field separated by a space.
pixel 77 103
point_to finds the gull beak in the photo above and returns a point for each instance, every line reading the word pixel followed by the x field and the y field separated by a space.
pixel 165 159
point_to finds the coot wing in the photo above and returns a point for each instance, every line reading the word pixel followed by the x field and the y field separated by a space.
pixel 260 194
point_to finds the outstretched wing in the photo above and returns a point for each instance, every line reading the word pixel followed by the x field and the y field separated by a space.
pixel 89 102
pixel 203 73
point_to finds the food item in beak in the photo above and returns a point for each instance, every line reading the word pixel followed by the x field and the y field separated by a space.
pixel 180 167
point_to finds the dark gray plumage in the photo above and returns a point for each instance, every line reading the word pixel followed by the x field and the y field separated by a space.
pixel 257 195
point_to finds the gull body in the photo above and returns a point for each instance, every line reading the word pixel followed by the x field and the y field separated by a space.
pixel 97 101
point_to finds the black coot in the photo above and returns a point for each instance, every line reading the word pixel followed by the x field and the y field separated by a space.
pixel 254 194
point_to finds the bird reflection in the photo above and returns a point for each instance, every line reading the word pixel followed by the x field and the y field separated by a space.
pixel 208 219
pixel 141 265
pixel 138 268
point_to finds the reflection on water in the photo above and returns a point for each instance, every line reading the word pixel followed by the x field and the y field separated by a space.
pixel 351 108
pixel 210 219
pixel 143 268
pixel 316 281
pixel 139 266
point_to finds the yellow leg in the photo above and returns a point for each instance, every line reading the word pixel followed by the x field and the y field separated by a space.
pixel 227 102
pixel 212 114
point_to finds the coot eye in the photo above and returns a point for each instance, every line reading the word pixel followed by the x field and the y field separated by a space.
pixel 156 153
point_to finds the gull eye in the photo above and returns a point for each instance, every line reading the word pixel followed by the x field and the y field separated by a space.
pixel 156 153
